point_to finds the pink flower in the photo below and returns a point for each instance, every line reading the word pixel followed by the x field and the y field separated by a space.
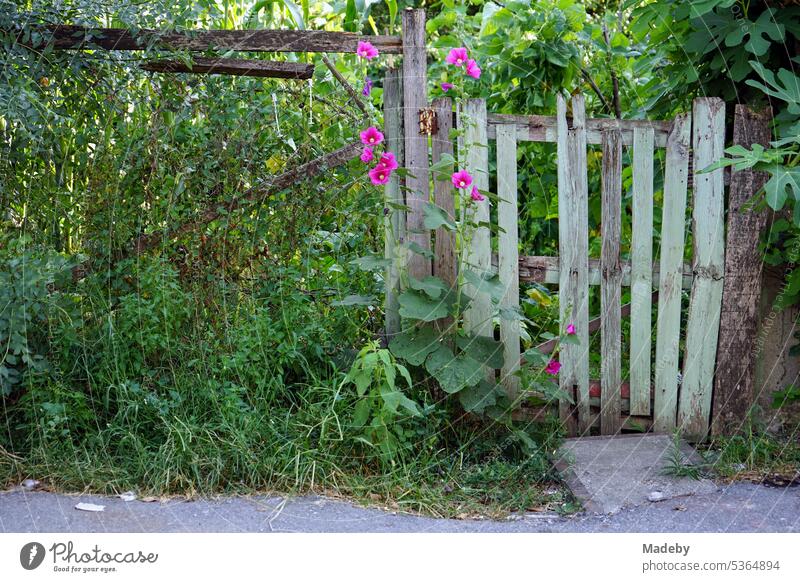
pixel 365 50
pixel 476 195
pixel 446 87
pixel 388 161
pixel 473 70
pixel 367 87
pixel 379 175
pixel 553 366
pixel 570 329
pixel 461 179
pixel 371 136
pixel 367 156
pixel 457 57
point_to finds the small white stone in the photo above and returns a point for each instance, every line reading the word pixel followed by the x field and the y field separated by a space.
pixel 656 496
pixel 30 484
pixel 128 496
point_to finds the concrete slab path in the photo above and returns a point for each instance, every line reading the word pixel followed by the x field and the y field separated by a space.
pixel 739 507
pixel 610 473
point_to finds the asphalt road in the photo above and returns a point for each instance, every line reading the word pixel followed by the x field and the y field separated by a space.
pixel 739 507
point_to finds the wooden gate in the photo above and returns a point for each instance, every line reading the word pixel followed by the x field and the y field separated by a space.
pixel 657 395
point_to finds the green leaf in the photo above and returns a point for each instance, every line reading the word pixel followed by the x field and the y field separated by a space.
pixel 758 45
pixel 355 300
pixel 785 87
pixel 486 283
pixel 477 398
pixel 419 306
pixel 783 181
pixel 436 217
pixel 454 373
pixel 361 413
pixel 414 345
pixel 371 263
pixel 483 349
pixel 414 247
pixel 535 357
pixel 433 287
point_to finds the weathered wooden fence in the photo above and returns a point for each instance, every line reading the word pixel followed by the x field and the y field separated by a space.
pixel 660 395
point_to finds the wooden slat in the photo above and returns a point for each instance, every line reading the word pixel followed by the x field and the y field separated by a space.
pixel 669 297
pixel 120 39
pixel 574 250
pixel 237 67
pixel 611 284
pixel 478 317
pixel 394 220
pixel 734 382
pixel 416 144
pixel 533 269
pixel 702 327
pixel 641 270
pixel 444 262
pixel 543 128
pixel 508 253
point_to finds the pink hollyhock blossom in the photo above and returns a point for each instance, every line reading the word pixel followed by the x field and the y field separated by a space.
pixel 446 87
pixel 553 366
pixel 476 195
pixel 461 179
pixel 367 156
pixel 473 70
pixel 570 329
pixel 379 175
pixel 388 161
pixel 371 136
pixel 457 57
pixel 367 87
pixel 365 50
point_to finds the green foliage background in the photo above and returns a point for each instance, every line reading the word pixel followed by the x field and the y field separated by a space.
pixel 216 361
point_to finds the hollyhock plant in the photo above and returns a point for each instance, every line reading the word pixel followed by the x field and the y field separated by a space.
pixel 476 195
pixel 379 175
pixel 553 366
pixel 366 155
pixel 457 57
pixel 473 70
pixel 388 161
pixel 367 87
pixel 446 87
pixel 461 179
pixel 570 329
pixel 371 136
pixel 365 50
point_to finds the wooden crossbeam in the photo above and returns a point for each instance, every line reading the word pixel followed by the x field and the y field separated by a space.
pixel 121 39
pixel 239 67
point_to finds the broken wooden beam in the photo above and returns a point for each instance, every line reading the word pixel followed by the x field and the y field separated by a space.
pixel 239 67
pixel 121 39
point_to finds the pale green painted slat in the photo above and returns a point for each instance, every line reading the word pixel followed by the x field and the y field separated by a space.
pixel 394 220
pixel 669 296
pixel 702 327
pixel 478 317
pixel 508 252
pixel 641 271
pixel 573 243
pixel 611 286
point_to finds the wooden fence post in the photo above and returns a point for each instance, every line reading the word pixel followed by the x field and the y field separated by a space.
pixel 415 79
pixel 641 272
pixel 708 217
pixel 573 252
pixel 611 285
pixel 738 329
pixel 673 224
pixel 508 253
pixel 474 151
pixel 444 262
pixel 394 219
